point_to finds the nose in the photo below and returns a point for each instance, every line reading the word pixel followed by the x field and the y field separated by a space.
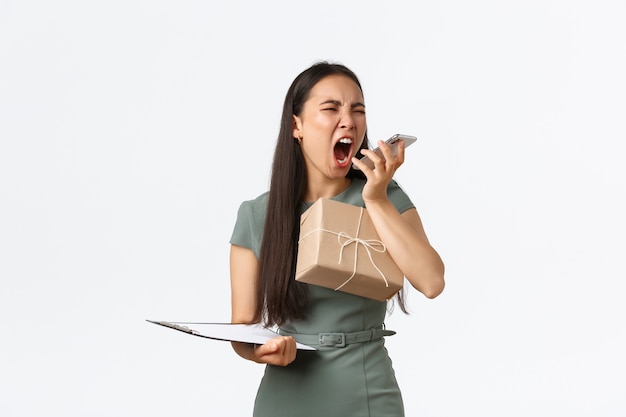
pixel 347 121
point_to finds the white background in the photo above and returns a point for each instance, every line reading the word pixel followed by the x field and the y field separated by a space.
pixel 132 130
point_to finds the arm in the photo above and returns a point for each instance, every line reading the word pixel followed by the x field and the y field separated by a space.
pixel 403 234
pixel 408 246
pixel 244 274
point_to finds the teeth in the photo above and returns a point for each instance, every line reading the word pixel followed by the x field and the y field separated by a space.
pixel 347 141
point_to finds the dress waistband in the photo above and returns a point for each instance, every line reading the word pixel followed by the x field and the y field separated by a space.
pixel 337 339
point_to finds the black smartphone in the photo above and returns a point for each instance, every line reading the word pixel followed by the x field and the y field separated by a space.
pixel 393 143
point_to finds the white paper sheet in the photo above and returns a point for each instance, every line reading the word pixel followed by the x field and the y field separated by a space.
pixel 249 333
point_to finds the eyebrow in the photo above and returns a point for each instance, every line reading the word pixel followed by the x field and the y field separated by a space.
pixel 338 103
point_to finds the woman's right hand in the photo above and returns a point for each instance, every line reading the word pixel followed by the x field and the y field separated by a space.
pixel 279 351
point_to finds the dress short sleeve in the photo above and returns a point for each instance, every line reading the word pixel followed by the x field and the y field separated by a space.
pixel 248 229
pixel 398 197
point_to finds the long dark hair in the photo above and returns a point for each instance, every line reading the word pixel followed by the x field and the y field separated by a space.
pixel 280 297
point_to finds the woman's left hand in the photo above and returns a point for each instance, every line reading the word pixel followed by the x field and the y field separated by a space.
pixel 384 169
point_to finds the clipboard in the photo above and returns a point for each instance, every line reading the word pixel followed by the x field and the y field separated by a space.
pixel 229 332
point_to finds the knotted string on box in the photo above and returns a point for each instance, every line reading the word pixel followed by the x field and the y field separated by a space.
pixel 368 244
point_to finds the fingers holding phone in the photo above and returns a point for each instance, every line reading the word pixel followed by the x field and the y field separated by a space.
pixel 392 144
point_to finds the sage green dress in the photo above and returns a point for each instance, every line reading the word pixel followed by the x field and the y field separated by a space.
pixel 356 380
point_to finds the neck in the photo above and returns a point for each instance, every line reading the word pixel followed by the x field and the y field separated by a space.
pixel 325 188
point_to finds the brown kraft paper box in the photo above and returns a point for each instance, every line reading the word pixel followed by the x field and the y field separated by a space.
pixel 340 249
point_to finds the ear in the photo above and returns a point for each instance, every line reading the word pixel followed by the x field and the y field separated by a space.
pixel 297 127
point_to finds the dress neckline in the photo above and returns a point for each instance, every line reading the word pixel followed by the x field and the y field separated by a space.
pixel 337 197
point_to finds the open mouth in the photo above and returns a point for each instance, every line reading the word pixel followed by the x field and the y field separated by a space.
pixel 343 151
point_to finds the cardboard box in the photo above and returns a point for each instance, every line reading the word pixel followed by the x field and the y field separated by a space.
pixel 340 249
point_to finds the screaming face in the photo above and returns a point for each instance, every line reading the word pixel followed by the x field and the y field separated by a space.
pixel 331 126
